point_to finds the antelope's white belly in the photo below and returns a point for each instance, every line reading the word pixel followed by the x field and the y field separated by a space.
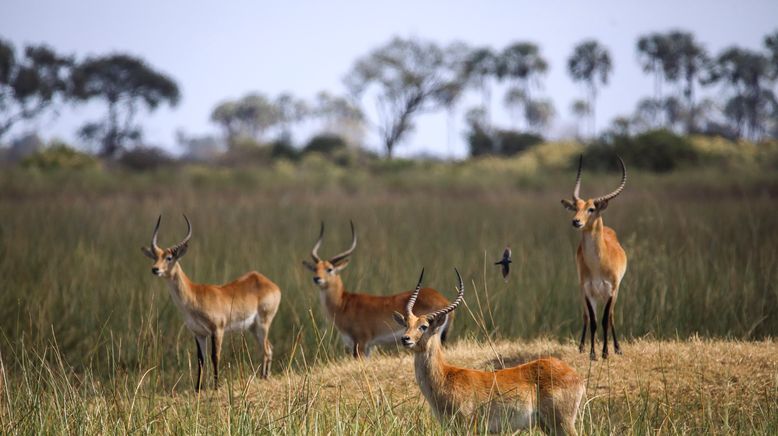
pixel 511 418
pixel 241 323
pixel 598 288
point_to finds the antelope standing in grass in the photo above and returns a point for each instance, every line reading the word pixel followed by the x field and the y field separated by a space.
pixel 249 302
pixel 545 392
pixel 363 320
pixel 600 260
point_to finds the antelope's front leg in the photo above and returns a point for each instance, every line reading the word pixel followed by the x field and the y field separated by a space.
pixel 592 328
pixel 605 324
pixel 200 342
pixel 216 352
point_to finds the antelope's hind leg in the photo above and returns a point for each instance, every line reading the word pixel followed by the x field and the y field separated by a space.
pixel 261 330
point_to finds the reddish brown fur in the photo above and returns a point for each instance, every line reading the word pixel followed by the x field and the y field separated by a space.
pixel 249 302
pixel 545 392
pixel 362 319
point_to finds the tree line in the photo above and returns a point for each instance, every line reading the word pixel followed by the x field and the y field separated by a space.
pixel 407 77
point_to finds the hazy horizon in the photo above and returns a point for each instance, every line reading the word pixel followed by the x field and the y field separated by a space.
pixel 216 52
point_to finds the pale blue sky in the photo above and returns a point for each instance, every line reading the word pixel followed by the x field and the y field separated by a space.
pixel 218 50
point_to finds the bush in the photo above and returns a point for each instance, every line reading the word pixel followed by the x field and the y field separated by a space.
pixel 511 142
pixel 283 149
pixel 480 142
pixel 656 150
pixel 60 156
pixel 327 144
pixel 145 159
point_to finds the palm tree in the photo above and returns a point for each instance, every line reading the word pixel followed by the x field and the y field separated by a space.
pixel 652 53
pixel 581 110
pixel 480 69
pixel 591 64
pixel 522 64
pixel 514 101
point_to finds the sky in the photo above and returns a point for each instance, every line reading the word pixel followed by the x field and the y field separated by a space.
pixel 221 50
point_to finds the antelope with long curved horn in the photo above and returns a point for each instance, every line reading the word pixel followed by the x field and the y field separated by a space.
pixel 545 392
pixel 600 259
pixel 250 302
pixel 362 320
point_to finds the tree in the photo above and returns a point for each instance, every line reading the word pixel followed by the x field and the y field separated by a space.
pixel 591 64
pixel 747 74
pixel 339 116
pixel 124 82
pixel 290 110
pixel 539 114
pixel 31 84
pixel 481 67
pixel 248 117
pixel 581 110
pixel 514 101
pixel 771 44
pixel 647 114
pixel 522 64
pixel 409 77
pixel 652 52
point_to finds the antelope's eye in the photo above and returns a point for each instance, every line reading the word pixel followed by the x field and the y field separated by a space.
pixel 423 327
pixel 169 257
pixel 330 270
pixel 591 209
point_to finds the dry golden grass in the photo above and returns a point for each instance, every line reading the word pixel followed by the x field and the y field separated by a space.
pixel 678 387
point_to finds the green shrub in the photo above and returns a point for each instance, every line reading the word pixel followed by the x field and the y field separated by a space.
pixel 511 142
pixel 60 156
pixel 327 144
pixel 145 159
pixel 656 150
pixel 283 149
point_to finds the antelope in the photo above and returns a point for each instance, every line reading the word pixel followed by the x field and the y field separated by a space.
pixel 362 320
pixel 544 392
pixel 249 302
pixel 600 260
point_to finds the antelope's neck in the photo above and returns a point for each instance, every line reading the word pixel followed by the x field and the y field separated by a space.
pixel 180 287
pixel 430 374
pixel 332 297
pixel 593 241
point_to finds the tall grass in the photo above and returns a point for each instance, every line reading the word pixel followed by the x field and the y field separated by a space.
pixel 91 340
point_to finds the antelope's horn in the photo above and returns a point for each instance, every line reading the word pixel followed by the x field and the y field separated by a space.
pixel 348 252
pixel 154 245
pixel 577 189
pixel 457 301
pixel 621 186
pixel 187 237
pixel 315 250
pixel 415 294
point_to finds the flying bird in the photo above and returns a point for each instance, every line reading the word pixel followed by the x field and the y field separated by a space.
pixel 505 262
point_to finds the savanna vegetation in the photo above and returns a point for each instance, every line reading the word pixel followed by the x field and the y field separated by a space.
pixel 92 343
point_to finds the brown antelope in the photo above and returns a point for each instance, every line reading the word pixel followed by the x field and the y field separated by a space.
pixel 362 320
pixel 600 260
pixel 249 302
pixel 544 392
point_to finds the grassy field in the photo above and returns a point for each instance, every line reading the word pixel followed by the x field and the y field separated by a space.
pixel 92 342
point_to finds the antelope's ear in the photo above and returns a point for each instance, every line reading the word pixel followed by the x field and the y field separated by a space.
pixel 148 253
pixel 309 265
pixel 601 205
pixel 568 205
pixel 438 322
pixel 180 251
pixel 399 318
pixel 341 264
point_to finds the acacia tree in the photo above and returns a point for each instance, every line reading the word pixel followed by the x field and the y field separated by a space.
pixel 409 77
pixel 290 111
pixel 339 115
pixel 591 64
pixel 31 84
pixel 248 117
pixel 125 83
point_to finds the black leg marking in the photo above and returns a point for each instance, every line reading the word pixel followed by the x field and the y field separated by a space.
pixel 215 360
pixel 605 325
pixel 616 346
pixel 200 362
pixel 592 328
pixel 583 333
